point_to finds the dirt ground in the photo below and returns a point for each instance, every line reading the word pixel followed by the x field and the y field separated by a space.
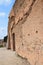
pixel 8 57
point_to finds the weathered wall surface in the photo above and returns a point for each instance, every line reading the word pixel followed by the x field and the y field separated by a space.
pixel 27 25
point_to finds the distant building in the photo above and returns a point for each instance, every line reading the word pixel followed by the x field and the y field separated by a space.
pixel 25 30
pixel 5 39
pixel 2 43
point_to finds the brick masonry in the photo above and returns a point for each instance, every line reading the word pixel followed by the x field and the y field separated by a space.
pixel 25 30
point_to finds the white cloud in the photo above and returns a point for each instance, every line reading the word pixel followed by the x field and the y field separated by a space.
pixel 2 29
pixel 2 14
pixel 3 32
pixel 5 2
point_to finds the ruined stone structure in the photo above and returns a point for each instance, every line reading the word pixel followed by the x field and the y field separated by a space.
pixel 25 30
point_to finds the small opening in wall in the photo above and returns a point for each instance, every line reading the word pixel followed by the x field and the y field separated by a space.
pixel 20 4
pixel 22 44
pixel 28 34
pixel 36 31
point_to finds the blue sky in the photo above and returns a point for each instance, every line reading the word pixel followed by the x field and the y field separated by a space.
pixel 5 7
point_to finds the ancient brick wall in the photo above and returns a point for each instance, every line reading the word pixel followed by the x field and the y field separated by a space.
pixel 27 25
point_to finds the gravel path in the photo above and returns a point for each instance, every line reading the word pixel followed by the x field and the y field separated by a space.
pixel 8 57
